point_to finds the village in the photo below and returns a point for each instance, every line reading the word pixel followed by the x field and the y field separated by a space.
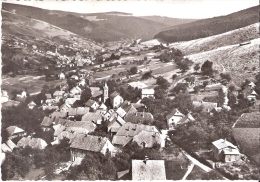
pixel 132 115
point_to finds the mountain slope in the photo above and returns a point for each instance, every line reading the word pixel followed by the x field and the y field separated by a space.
pixel 100 26
pixel 167 20
pixel 212 26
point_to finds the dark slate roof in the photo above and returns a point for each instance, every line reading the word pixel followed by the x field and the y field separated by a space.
pixel 113 95
pixel 173 113
pixel 138 117
pixel 89 143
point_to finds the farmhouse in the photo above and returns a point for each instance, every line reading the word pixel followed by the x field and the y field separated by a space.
pixel 148 170
pixel 128 130
pixel 116 100
pixel 14 131
pixel 225 151
pixel 93 105
pixel 35 143
pixel 31 105
pixel 139 118
pixel 149 93
pixel 115 124
pixel 89 143
pixel 173 118
pixel 249 94
pixel 125 108
pixel 95 117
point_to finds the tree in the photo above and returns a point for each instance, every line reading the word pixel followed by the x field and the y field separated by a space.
pixel 206 68
pixel 197 67
pixel 133 70
pixel 221 97
pixel 190 79
pixel 164 84
pixel 174 76
pixel 225 76
pixel 180 87
pixel 85 95
pixel 147 75
pixel 183 102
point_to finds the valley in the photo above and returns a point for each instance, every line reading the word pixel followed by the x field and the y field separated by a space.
pixel 116 96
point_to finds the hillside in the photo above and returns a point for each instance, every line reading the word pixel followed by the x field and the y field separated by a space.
pixel 209 27
pixel 167 20
pixel 228 38
pixel 100 27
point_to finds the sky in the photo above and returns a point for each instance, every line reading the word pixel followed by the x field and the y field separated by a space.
pixel 195 9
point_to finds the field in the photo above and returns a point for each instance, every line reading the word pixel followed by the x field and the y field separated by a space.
pixel 248 140
pixel 31 83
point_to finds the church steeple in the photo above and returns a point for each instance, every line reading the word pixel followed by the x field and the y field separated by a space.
pixel 105 92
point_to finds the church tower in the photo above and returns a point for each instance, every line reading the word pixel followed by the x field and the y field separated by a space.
pixel 105 92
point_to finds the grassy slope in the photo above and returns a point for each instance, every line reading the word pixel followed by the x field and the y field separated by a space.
pixel 211 26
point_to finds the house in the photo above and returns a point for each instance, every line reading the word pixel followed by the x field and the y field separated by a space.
pixel 10 144
pixel 22 95
pixel 75 90
pixel 35 143
pixel 173 118
pixel 207 106
pixel 89 143
pixel 75 77
pixel 79 111
pixel 148 170
pixel 64 107
pixel 149 93
pixel 47 123
pixel 251 85
pixel 188 118
pixel 102 107
pixel 93 105
pixel 147 139
pixel 4 96
pixel 96 93
pixel 249 94
pixel 71 101
pixel 225 151
pixel 31 105
pixel 82 83
pixel 139 117
pixel 62 76
pixel 5 148
pixel 115 124
pixel 95 117
pixel 128 130
pixel 116 100
pixel 137 84
pixel 126 107
pixel 58 95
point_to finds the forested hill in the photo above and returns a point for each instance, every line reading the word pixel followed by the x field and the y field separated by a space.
pixel 212 26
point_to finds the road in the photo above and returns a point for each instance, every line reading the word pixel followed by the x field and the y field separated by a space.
pixel 190 168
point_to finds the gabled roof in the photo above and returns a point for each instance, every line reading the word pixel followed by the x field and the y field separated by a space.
pixel 89 143
pixel 90 103
pixel 71 101
pixel 113 95
pixel 77 111
pixel 47 121
pixel 10 144
pixel 175 112
pixel 149 170
pixel 186 119
pixel 65 106
pixel 35 143
pixel 149 138
pixel 102 106
pixel 128 107
pixel 115 124
pixel 121 140
pixel 57 114
pixel 13 130
pixel 221 144
pixel 92 116
pixel 31 104
pixel 139 117
pixel 96 92
pixel 5 148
